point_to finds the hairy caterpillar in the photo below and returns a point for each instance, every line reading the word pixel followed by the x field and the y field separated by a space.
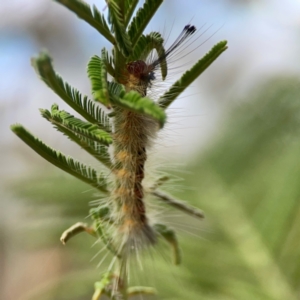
pixel 120 220
pixel 133 133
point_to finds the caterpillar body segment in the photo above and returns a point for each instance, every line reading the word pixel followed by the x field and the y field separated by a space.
pixel 132 138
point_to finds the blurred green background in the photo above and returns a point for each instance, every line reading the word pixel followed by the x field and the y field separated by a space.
pixel 237 133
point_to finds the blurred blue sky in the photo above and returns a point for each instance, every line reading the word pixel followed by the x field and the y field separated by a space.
pixel 263 38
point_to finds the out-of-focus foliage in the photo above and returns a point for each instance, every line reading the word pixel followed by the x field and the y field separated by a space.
pixel 247 182
pixel 249 187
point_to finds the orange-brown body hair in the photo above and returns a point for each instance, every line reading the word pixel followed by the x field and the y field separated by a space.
pixel 133 134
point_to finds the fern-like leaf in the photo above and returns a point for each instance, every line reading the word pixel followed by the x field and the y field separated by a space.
pixel 95 149
pixel 91 16
pixel 107 59
pixel 98 77
pixel 130 6
pixel 85 107
pixel 135 102
pixel 77 126
pixel 145 45
pixel 115 89
pixel 189 76
pixel 141 19
pixel 121 36
pixel 67 164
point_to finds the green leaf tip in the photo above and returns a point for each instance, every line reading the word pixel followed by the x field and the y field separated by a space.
pixel 16 128
pixel 189 76
pixel 91 15
pixel 85 107
pixel 130 6
pixel 98 77
pixel 116 18
pixel 141 19
pixel 58 159
pixel 42 63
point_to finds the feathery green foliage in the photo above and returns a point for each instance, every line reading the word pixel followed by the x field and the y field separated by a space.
pixel 132 66
pixel 99 225
pixel 141 19
pixel 91 16
pixel 62 119
pixel 88 136
pixel 135 102
pixel 189 76
pixel 130 6
pixel 98 76
pixel 107 59
pixel 117 20
pixel 144 47
pixel 67 164
pixel 86 108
